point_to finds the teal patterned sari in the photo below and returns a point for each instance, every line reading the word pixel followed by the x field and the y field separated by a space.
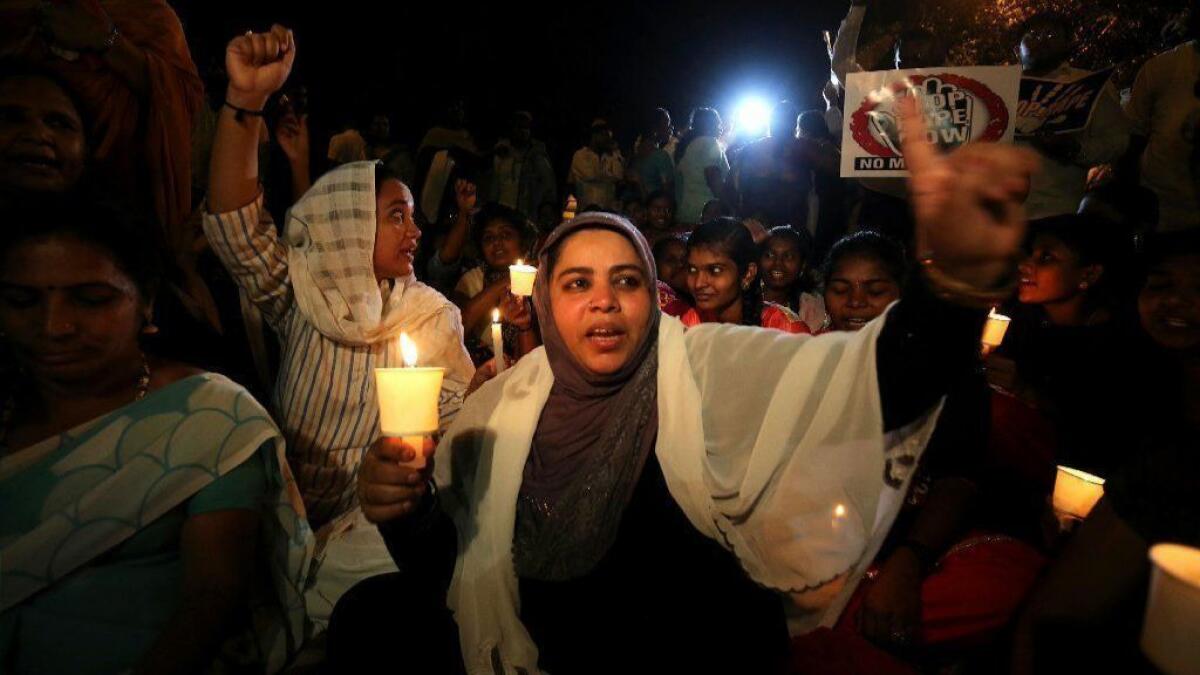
pixel 90 522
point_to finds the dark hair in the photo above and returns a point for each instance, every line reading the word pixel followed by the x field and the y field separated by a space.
pixel 724 210
pixel 384 174
pixel 1136 206
pixel 813 124
pixel 513 218
pixel 702 122
pixel 661 194
pixel 12 69
pixel 660 246
pixel 804 243
pixel 729 237
pixel 868 244
pixel 105 224
pixel 785 112
pixel 1163 245
pixel 650 122
pixel 1096 242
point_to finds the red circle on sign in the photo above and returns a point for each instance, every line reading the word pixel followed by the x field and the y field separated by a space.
pixel 997 111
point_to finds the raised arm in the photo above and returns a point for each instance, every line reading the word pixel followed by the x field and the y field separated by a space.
pixel 844 59
pixel 970 223
pixel 258 64
pixel 239 229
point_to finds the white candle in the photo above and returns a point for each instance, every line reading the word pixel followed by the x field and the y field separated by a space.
pixel 408 400
pixel 521 277
pixel 1076 492
pixel 498 341
pixel 1173 610
pixel 994 330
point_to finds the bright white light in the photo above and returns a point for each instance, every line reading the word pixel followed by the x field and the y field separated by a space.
pixel 751 116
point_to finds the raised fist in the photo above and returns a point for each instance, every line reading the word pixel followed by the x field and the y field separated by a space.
pixel 258 64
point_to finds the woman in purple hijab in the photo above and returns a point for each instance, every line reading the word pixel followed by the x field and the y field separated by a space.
pixel 633 498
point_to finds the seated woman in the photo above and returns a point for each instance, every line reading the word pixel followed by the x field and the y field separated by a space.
pixel 723 280
pixel 670 261
pixel 47 154
pixel 502 236
pixel 863 275
pixel 338 289
pixel 137 494
pixel 129 64
pixel 939 584
pixel 337 286
pixel 632 490
pixel 786 278
pixel 660 217
pixel 1086 614
pixel 1070 323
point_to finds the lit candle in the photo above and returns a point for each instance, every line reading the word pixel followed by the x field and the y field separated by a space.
pixel 408 400
pixel 498 341
pixel 1173 610
pixel 521 277
pixel 1076 492
pixel 994 330
pixel 838 520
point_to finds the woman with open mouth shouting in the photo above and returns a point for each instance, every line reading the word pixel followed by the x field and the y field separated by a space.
pixel 633 496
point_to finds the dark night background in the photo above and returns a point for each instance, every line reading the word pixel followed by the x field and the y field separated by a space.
pixel 568 63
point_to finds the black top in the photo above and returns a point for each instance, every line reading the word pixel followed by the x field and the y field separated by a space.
pixel 1156 491
pixel 665 595
pixel 1101 385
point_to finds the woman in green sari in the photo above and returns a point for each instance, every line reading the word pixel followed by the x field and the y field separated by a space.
pixel 143 504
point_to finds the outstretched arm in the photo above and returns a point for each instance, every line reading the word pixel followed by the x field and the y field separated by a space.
pixel 970 223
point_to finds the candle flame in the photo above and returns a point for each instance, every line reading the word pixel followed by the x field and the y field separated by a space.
pixel 409 349
pixel 520 262
pixel 496 315
pixel 839 511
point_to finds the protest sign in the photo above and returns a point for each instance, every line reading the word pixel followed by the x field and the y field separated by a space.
pixel 961 105
pixel 1059 106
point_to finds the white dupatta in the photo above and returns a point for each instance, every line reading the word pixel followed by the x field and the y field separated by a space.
pixel 761 436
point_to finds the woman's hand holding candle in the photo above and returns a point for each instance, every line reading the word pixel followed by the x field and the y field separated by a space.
pixel 388 485
pixel 514 309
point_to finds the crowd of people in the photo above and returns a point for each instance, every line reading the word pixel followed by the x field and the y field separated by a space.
pixel 744 422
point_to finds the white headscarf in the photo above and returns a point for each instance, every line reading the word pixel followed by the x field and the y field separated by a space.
pixel 330 235
pixel 761 436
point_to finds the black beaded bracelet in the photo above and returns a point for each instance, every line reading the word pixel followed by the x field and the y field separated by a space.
pixel 240 113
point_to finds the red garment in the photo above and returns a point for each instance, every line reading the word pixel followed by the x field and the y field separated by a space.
pixel 773 316
pixel 669 302
pixel 130 140
pixel 1022 444
pixel 967 601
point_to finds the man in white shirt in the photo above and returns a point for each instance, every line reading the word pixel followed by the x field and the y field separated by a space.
pixel 596 169
pixel 1045 50
pixel 1165 112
